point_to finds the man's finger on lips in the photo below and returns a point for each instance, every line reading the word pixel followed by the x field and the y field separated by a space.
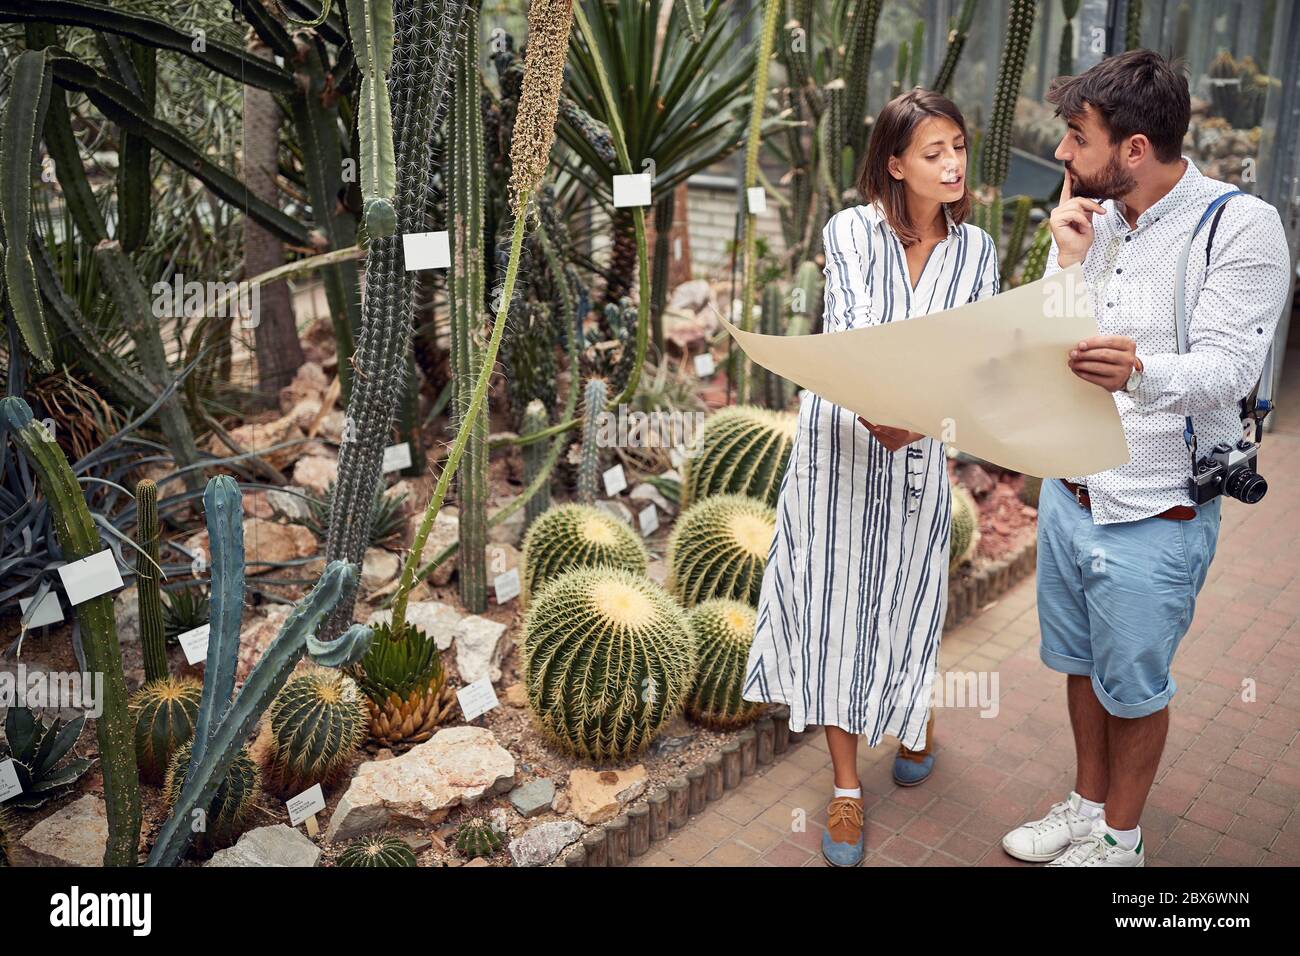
pixel 1067 187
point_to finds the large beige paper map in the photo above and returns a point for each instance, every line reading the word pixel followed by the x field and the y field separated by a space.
pixel 989 378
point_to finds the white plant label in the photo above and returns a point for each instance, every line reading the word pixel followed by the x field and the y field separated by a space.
pixel 756 197
pixel 507 585
pixel 9 785
pixel 90 577
pixel 306 804
pixel 704 366
pixel 649 518
pixel 48 612
pixel 632 189
pixel 477 698
pixel 195 644
pixel 397 457
pixel 615 481
pixel 426 250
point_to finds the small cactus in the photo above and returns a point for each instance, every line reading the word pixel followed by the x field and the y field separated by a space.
pixel 476 837
pixel 572 536
pixel 225 819
pixel 607 661
pixel 742 450
pixel 965 528
pixel 311 731
pixel 377 851
pixel 402 679
pixel 163 713
pixel 719 548
pixel 722 630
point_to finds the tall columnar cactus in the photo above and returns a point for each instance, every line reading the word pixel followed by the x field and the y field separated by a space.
pixel 958 31
pixel 719 548
pixel 377 851
pixel 78 537
pixel 232 803
pixel 311 731
pixel 589 471
pixel 223 725
pixel 147 572
pixel 423 49
pixel 1016 241
pixel 722 631
pixel 535 464
pixel 771 389
pixel 1133 25
pixel 965 533
pixel 607 662
pixel 863 20
pixel 743 449
pixel 577 536
pixel 1065 58
pixel 371 25
pixel 465 210
pixel 997 140
pixel 1036 258
pixel 164 712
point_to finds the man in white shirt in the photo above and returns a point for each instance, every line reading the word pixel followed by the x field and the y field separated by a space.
pixel 1123 553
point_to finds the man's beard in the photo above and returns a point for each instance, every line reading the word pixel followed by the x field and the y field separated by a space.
pixel 1111 183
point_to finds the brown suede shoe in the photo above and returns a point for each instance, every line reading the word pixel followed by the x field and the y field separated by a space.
pixel 843 842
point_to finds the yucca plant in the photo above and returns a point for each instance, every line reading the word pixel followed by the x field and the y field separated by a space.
pixel 722 630
pixel 719 548
pixel 311 732
pixel 377 851
pixel 403 680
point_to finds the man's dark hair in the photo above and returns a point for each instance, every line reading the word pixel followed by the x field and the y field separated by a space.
pixel 1135 92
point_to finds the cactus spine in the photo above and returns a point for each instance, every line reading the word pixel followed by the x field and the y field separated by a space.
pixel 577 536
pixel 719 548
pixel 164 712
pixel 996 151
pixel 147 572
pixel 1036 258
pixel 311 731
pixel 743 449
pixel 593 407
pixel 722 630
pixel 377 851
pixel 957 34
pixel 78 537
pixel 467 281
pixel 965 534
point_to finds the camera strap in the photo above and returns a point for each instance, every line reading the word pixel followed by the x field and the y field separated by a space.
pixel 1258 404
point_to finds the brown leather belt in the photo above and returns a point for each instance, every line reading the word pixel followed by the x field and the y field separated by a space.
pixel 1176 513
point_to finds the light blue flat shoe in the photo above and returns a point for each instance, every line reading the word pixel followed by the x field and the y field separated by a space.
pixel 913 766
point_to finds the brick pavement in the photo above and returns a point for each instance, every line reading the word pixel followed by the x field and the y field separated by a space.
pixel 1228 786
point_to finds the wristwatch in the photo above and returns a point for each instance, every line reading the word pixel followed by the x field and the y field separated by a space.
pixel 1135 376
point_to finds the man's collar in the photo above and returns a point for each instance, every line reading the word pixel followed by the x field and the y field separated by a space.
pixel 1183 191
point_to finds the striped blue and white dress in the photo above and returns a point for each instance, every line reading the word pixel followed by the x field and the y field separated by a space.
pixel 856 586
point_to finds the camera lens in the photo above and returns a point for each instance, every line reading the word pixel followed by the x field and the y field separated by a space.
pixel 1247 486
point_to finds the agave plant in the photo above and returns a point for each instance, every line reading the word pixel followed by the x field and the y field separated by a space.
pixel 37 749
pixel 403 680
pixel 387 522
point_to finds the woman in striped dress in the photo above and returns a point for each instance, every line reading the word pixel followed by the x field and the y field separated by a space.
pixel 855 590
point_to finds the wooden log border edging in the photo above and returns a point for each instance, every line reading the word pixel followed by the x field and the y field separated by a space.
pixel 969 593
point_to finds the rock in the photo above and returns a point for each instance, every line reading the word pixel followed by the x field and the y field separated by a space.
pixel 499 820
pixel 541 844
pixel 288 504
pixel 458 766
pixel 305 413
pixel 440 621
pixel 598 795
pixel 509 531
pixel 256 638
pixel 126 613
pixel 657 571
pixel 691 296
pixel 331 425
pixel 445 531
pixel 260 436
pixel 501 558
pixel 676 735
pixel 378 567
pixel 687 338
pixel 277 845
pixel 477 861
pixel 534 797
pixel 315 473
pixel 644 491
pixel 516 695
pixel 616 508
pixel 74 835
pixel 561 802
pixel 478 649
pixel 309 382
pixel 975 479
pixel 266 542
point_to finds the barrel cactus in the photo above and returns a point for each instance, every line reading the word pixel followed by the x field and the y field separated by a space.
pixel 743 450
pixel 377 851
pixel 164 713
pixel 230 809
pixel 403 680
pixel 311 731
pixel 577 536
pixel 965 527
pixel 607 661
pixel 722 630
pixel 477 837
pixel 719 548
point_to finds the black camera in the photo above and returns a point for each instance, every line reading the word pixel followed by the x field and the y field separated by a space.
pixel 1228 470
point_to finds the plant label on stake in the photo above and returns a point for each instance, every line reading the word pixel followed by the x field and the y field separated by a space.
pixel 756 199
pixel 304 807
pixel 632 189
pixel 507 585
pixel 426 250
pixel 615 481
pixel 397 457
pixel 704 366
pixel 649 518
pixel 477 698
pixel 9 785
pixel 47 612
pixel 90 577
pixel 195 644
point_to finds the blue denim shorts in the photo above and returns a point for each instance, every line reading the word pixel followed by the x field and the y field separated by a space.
pixel 1114 600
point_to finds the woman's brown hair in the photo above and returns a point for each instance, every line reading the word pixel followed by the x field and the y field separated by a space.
pixel 891 134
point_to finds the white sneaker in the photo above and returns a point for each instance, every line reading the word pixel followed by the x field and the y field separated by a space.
pixel 1048 838
pixel 1099 848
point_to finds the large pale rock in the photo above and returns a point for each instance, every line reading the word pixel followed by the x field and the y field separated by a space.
pixel 440 621
pixel 691 296
pixel 378 567
pixel 75 835
pixel 315 473
pixel 599 795
pixel 305 413
pixel 269 846
pixel 478 649
pixel 445 531
pixel 265 541
pixel 292 506
pixel 509 531
pixel 260 436
pixel 539 845
pixel 257 637
pixel 309 382
pixel 458 766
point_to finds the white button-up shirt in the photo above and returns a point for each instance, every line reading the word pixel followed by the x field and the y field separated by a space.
pixel 1232 313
